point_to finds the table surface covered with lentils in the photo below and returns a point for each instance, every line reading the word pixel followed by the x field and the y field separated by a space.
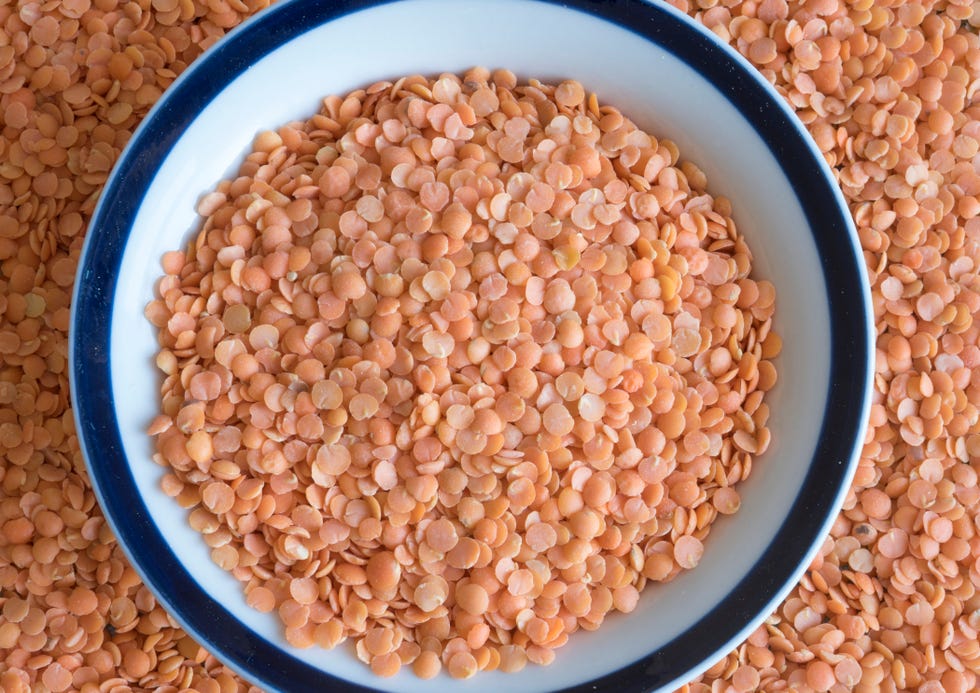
pixel 890 91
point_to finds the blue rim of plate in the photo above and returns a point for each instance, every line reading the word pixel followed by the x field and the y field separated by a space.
pixel 769 580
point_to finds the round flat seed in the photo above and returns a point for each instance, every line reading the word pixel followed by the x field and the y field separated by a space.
pixel 503 365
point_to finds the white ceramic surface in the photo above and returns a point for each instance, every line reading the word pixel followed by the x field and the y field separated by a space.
pixel 550 43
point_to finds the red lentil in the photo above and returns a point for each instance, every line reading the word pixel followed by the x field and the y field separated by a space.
pixel 927 136
pixel 492 256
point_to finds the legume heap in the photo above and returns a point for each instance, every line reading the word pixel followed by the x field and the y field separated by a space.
pixel 888 91
pixel 458 366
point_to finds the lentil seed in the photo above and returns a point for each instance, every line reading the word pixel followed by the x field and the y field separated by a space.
pixel 547 402
pixel 836 100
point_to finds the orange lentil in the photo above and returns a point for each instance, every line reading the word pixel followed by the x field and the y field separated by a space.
pixel 927 129
pixel 546 366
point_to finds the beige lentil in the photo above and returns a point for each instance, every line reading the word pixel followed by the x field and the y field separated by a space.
pixel 931 47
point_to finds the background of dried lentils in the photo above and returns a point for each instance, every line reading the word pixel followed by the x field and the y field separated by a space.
pixel 889 90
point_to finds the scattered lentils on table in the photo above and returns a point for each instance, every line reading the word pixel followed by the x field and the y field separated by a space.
pixel 888 90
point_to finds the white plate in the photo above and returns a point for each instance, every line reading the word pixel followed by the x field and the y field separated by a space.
pixel 675 80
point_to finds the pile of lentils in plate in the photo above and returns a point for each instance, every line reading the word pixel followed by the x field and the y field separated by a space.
pixel 456 367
